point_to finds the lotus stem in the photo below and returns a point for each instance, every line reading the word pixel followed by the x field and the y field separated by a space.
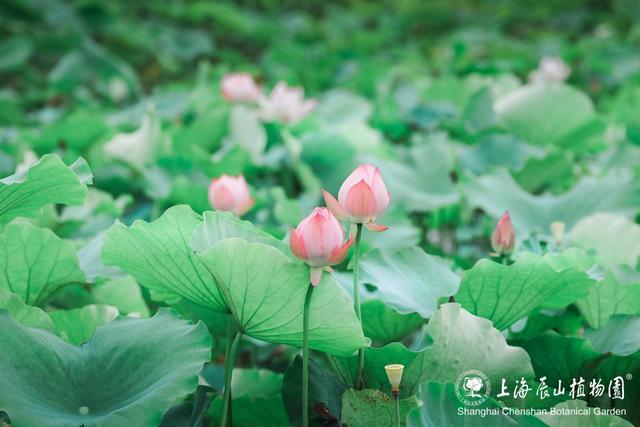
pixel 228 375
pixel 397 401
pixel 305 358
pixel 356 299
pixel 231 330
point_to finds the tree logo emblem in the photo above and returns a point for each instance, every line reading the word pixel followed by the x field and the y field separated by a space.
pixel 472 387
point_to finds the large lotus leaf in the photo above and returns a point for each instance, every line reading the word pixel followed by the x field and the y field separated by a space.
pixel 325 392
pixel 220 225
pixel 629 369
pixel 504 294
pixel 265 292
pixel 78 325
pixel 23 313
pixel 561 358
pixel 620 336
pixel 452 333
pixel 385 325
pixel 130 372
pixel 140 147
pixel 612 236
pixel 34 262
pixel 563 417
pixel 440 407
pixel 544 114
pixel 159 256
pixel 124 294
pixel 409 280
pixel 48 181
pixel 494 193
pixel 373 408
pixel 618 292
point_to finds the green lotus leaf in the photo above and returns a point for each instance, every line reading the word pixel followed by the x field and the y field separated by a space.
pixel 34 263
pixel 409 280
pixel 23 313
pixel 617 193
pixel 620 336
pixel 48 181
pixel 440 407
pixel 130 371
pixel 544 114
pixel 78 325
pixel 265 290
pixel 505 294
pixel 373 408
pixel 452 331
pixel 385 325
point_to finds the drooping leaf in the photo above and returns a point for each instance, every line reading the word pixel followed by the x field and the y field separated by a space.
pixel 409 280
pixel 617 292
pixel 385 325
pixel 562 417
pixel 140 147
pixel 158 255
pixel 78 325
pixel 494 193
pixel 48 181
pixel 440 408
pixel 620 336
pixel 27 315
pixel 34 263
pixel 130 370
pixel 325 394
pixel 505 294
pixel 373 408
pixel 612 236
pixel 451 331
pixel 265 291
pixel 124 294
pixel 218 225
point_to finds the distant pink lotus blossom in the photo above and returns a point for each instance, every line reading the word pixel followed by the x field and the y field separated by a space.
pixel 503 237
pixel 319 241
pixel 285 104
pixel 363 197
pixel 231 194
pixel 240 87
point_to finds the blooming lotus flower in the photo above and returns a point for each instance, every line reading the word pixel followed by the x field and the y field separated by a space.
pixel 503 237
pixel 362 197
pixel 231 194
pixel 285 104
pixel 550 69
pixel 240 87
pixel 319 241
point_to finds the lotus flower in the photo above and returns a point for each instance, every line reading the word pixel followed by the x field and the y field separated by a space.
pixel 231 194
pixel 319 241
pixel 550 69
pixel 362 197
pixel 503 237
pixel 285 104
pixel 240 87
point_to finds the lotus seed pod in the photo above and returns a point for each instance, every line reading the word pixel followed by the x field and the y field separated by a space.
pixel 394 374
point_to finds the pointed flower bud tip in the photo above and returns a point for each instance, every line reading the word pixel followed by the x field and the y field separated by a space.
pixel 503 237
pixel 557 231
pixel 394 374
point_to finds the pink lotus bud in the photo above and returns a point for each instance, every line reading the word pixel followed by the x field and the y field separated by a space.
pixel 230 193
pixel 285 104
pixel 319 241
pixel 240 87
pixel 503 237
pixel 362 197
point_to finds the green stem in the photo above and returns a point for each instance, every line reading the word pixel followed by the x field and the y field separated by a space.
pixel 397 411
pixel 231 330
pixel 356 299
pixel 305 358
pixel 228 374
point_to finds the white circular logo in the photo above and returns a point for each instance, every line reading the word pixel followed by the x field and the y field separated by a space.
pixel 472 387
